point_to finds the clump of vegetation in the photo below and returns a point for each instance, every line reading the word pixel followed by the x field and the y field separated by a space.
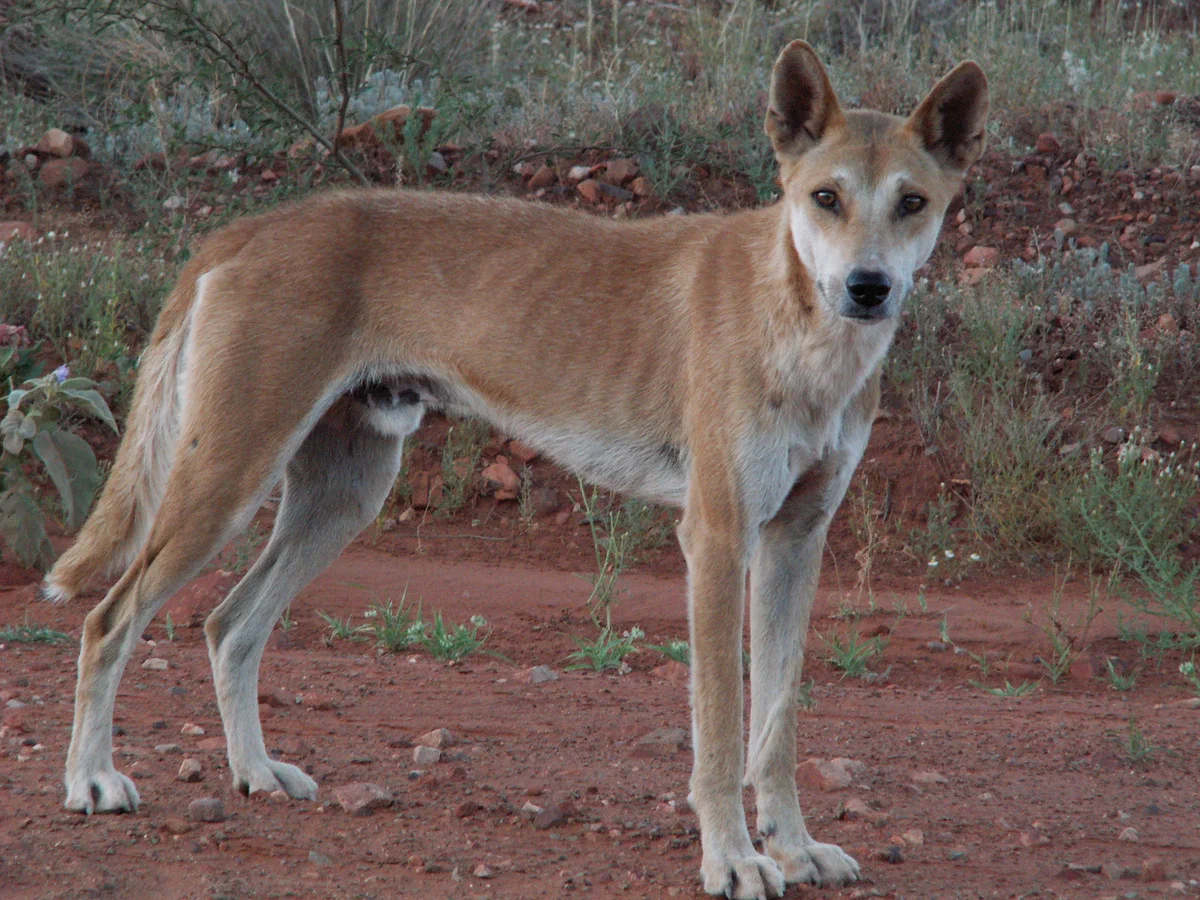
pixel 394 628
pixel 34 430
pixel 28 633
pixel 460 464
pixel 607 651
pixel 677 650
pixel 450 643
pixel 852 654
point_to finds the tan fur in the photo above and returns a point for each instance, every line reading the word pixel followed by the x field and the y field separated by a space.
pixel 717 362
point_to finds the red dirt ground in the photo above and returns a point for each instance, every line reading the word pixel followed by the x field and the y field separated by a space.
pixel 1032 784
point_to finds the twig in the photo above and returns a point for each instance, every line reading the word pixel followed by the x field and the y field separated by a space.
pixel 465 537
pixel 339 40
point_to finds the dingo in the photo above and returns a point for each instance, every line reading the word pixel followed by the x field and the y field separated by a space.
pixel 728 364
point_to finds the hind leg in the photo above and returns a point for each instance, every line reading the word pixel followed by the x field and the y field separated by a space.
pixel 334 487
pixel 188 533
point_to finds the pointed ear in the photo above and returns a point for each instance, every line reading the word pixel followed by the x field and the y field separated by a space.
pixel 950 121
pixel 802 105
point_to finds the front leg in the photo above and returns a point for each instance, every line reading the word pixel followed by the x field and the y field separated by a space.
pixel 783 581
pixel 714 546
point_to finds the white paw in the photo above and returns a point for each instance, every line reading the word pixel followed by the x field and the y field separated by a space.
pixel 741 876
pixel 827 865
pixel 104 791
pixel 271 775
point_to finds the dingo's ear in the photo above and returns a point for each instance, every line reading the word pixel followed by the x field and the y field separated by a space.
pixel 951 120
pixel 802 105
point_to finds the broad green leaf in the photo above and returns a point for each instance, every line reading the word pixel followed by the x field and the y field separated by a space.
pixel 71 465
pixel 78 383
pixel 93 401
pixel 13 442
pixel 23 529
pixel 16 396
pixel 6 355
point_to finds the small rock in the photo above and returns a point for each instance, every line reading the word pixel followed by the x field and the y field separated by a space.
pixel 279 796
pixel 642 187
pixel 174 202
pixel 206 809
pixel 56 142
pixel 1114 434
pixel 542 675
pixel 426 756
pixel 175 825
pixel 1154 869
pixel 937 647
pixel 1166 324
pixel 982 257
pixel 317 858
pixel 543 178
pixel 190 770
pixel 1032 839
pixel 822 775
pixel 1069 227
pixel 466 809
pixel 155 664
pixel 14 703
pixel 674 671
pixel 1047 143
pixel 167 749
pixel 1129 834
pixel 589 189
pixel 545 500
pixel 500 476
pixel 620 171
pixel 192 729
pixel 929 778
pixel 482 871
pixel 439 737
pixel 529 810
pixel 914 837
pixel 1150 272
pixel 663 741
pixel 552 815
pixel 617 193
pixel 437 164
pixel 853 767
pixel 362 798
pixel 267 176
pixel 579 173
pixel 276 697
pixel 893 854
pixel 854 808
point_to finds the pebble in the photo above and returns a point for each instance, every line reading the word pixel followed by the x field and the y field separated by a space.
pixel 174 202
pixel 175 825
pixel 190 770
pixel 1114 434
pixel 893 854
pixel 542 675
pixel 482 871
pixel 1154 869
pixel 317 858
pixel 552 815
pixel 664 741
pixel 192 730
pixel 1129 834
pixel 673 671
pixel 14 704
pixel 207 809
pixel 824 775
pixel 529 810
pixel 543 178
pixel 982 257
pixel 929 778
pixel 589 189
pixel 620 171
pixel 155 664
pixel 167 749
pixel 579 173
pixel 439 737
pixel 426 756
pixel 362 798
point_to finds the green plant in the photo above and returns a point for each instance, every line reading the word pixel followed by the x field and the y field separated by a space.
pixel 170 627
pixel 28 633
pixel 32 428
pixel 1067 639
pixel 460 464
pixel 1116 680
pixel 1188 671
pixel 340 629
pixel 612 546
pixel 804 695
pixel 525 504
pixel 1024 689
pixel 852 654
pixel 450 644
pixel 286 622
pixel 607 651
pixel 246 548
pixel 393 628
pixel 677 650
pixel 1136 746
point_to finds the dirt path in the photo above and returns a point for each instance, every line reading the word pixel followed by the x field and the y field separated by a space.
pixel 1030 785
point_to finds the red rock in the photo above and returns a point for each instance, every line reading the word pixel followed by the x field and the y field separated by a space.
pixel 466 809
pixel 521 452
pixel 1048 144
pixel 554 814
pixel 190 770
pixel 673 671
pixel 642 187
pixel 665 741
pixel 439 738
pixel 543 178
pixel 545 500
pixel 268 175
pixel 206 809
pixel 10 231
pixel 589 189
pixel 211 743
pixel 1154 869
pixel 1150 272
pixel 56 142
pixel 1166 324
pixel 620 171
pixel 276 697
pixel 59 173
pixel 301 148
pixel 362 799
pixel 1067 226
pixel 822 775
pixel 500 476
pixel 982 257
pixel 929 778
pixel 175 825
pixel 854 808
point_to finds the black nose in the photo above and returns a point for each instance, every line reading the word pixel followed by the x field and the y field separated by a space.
pixel 868 288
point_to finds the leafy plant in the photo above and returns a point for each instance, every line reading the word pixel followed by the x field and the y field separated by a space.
pixel 607 651
pixel 678 650
pixel 452 643
pixel 31 429
pixel 1116 680
pixel 170 627
pixel 612 545
pixel 852 654
pixel 28 633
pixel 1136 746
pixel 804 695
pixel 1024 689
pixel 460 464
pixel 340 629
pixel 394 628
pixel 286 622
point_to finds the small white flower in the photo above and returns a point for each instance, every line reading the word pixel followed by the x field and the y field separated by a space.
pixel 975 557
pixel 933 563
pixel 949 554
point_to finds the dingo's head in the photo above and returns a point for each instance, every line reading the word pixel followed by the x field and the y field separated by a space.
pixel 865 192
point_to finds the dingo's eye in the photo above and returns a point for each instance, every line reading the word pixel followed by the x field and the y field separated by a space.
pixel 825 199
pixel 912 203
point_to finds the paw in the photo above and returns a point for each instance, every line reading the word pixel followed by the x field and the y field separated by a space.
pixel 104 791
pixel 827 865
pixel 741 876
pixel 271 775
